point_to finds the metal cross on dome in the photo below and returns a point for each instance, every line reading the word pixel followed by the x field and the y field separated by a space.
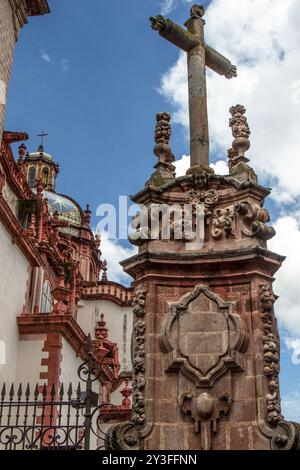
pixel 42 135
pixel 200 56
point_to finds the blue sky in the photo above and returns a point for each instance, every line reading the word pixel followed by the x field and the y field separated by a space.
pixel 99 110
pixel 89 74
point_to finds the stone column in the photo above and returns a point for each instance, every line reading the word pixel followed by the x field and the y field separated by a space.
pixel 199 143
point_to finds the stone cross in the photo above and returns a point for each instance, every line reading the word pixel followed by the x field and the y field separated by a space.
pixel 199 55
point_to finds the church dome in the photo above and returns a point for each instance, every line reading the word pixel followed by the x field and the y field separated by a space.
pixel 40 154
pixel 68 210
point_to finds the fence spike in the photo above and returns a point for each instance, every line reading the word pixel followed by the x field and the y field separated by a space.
pixel 36 391
pixel 78 392
pixel 20 392
pixel 27 392
pixel 70 391
pixel 3 391
pixel 89 343
pixel 11 392
pixel 52 393
pixel 44 391
pixel 61 392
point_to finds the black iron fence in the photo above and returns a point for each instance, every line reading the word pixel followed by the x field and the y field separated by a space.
pixel 47 418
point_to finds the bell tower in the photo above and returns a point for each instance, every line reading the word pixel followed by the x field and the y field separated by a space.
pixel 40 166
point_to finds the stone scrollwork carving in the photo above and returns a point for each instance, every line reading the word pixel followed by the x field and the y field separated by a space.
pixel 139 378
pixel 270 354
pixel 123 436
pixel 287 438
pixel 208 198
pixel 254 219
pixel 223 223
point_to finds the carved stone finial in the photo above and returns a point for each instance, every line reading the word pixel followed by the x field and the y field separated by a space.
pixel 158 23
pixel 87 215
pixel 126 393
pixel 105 269
pixel 97 241
pixel 165 169
pixel 197 11
pixel 163 129
pixel 240 131
pixel 101 330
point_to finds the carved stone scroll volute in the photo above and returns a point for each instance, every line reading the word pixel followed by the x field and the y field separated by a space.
pixel 203 342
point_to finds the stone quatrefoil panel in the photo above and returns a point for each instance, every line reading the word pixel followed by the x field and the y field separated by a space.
pixel 202 338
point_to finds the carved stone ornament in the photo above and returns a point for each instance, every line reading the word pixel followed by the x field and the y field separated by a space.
pixel 139 303
pixel 210 340
pixel 138 360
pixel 158 23
pixel 205 410
pixel 208 198
pixel 197 11
pixel 271 354
pixel 254 220
pixel 123 436
pixel 223 223
pixel 241 133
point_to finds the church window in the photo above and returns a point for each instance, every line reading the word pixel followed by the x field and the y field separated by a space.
pixel 45 176
pixel 47 302
pixel 31 176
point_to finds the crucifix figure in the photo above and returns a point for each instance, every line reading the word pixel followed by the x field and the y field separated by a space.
pixel 42 135
pixel 199 55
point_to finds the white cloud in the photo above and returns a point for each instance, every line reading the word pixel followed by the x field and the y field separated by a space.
pixel 182 165
pixel 293 345
pixel 167 6
pixel 262 38
pixel 113 252
pixel 287 242
pixel 291 406
pixel 46 57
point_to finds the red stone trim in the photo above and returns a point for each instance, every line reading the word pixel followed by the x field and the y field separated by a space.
pixel 10 222
pixel 52 345
pixel 67 326
pixel 14 176
pixel 115 413
pixel 111 291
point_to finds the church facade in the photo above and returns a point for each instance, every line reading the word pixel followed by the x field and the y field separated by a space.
pixel 195 340
pixel 54 288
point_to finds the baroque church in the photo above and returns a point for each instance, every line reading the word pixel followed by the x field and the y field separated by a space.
pixel 188 357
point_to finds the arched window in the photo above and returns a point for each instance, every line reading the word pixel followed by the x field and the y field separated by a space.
pixel 31 176
pixel 47 301
pixel 45 176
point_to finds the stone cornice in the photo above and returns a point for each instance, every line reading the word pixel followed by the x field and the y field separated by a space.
pixel 110 291
pixel 233 259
